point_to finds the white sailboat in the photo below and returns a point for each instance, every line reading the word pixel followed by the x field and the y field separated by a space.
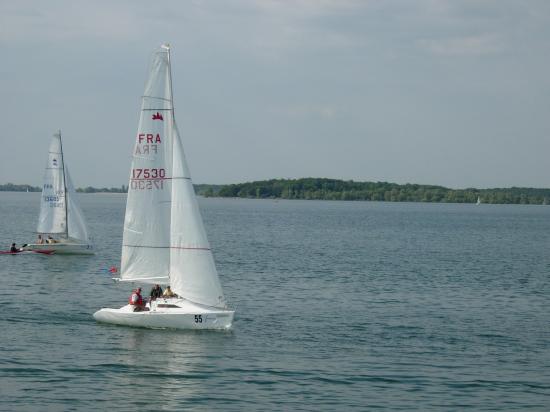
pixel 60 215
pixel 164 241
pixel 478 201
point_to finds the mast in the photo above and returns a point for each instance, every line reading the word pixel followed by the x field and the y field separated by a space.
pixel 167 48
pixel 64 187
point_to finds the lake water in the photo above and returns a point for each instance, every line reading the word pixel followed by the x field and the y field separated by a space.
pixel 340 306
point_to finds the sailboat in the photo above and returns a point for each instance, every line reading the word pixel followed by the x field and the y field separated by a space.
pixel 478 201
pixel 60 215
pixel 164 241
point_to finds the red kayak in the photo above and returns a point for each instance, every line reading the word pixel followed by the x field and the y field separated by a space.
pixel 24 252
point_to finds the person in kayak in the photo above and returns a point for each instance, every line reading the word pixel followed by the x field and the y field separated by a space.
pixel 14 248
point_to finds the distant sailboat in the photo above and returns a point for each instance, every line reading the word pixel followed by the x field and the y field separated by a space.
pixel 60 215
pixel 164 240
pixel 478 201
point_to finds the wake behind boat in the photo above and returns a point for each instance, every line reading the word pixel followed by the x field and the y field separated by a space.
pixel 61 226
pixel 164 241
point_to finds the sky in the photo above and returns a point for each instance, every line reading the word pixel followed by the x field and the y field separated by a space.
pixel 446 92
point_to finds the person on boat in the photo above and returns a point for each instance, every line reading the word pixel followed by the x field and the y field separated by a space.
pixel 168 293
pixel 156 292
pixel 14 248
pixel 136 300
pixel 40 241
pixel 51 240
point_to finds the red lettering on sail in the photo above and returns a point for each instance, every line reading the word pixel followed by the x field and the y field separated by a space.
pixel 149 138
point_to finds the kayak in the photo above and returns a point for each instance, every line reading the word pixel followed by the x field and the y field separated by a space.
pixel 25 252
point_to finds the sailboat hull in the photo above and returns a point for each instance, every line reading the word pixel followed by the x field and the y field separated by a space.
pixel 168 313
pixel 61 248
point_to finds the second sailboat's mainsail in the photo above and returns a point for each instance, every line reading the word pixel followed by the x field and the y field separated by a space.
pixel 52 217
pixel 164 239
pixel 59 210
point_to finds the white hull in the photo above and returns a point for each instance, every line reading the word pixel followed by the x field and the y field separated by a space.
pixel 62 248
pixel 174 313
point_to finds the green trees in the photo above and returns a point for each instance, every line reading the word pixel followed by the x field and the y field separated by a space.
pixel 333 189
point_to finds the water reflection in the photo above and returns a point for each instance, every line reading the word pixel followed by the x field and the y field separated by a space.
pixel 166 365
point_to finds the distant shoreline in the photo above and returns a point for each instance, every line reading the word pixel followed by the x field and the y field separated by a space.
pixel 334 189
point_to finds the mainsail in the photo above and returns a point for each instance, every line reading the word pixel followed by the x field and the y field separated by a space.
pixel 53 210
pixel 164 239
pixel 59 210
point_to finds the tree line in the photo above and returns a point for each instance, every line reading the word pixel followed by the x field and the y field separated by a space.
pixel 10 187
pixel 334 189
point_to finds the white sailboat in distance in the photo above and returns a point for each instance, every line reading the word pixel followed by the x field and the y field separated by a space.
pixel 164 241
pixel 60 215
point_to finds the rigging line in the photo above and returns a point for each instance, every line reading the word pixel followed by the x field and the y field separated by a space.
pixel 202 304
pixel 155 97
pixel 64 187
pixel 157 110
pixel 168 247
pixel 161 178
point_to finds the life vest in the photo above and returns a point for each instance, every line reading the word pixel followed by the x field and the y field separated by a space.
pixel 139 300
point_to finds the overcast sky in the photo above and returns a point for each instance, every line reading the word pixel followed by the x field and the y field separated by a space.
pixel 455 92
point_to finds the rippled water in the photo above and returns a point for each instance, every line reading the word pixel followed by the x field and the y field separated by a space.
pixel 340 306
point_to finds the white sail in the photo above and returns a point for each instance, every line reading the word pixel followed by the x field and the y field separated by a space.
pixel 146 237
pixel 164 238
pixel 193 273
pixel 52 219
pixel 75 218
pixel 60 213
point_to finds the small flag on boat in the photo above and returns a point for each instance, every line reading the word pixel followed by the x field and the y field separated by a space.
pixel 113 269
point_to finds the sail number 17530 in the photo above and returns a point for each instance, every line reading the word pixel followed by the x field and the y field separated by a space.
pixel 147 179
pixel 148 173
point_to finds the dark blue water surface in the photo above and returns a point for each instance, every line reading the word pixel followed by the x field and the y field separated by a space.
pixel 340 306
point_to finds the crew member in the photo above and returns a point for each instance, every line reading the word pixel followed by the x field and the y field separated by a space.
pixel 136 300
pixel 168 293
pixel 156 292
pixel 14 249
